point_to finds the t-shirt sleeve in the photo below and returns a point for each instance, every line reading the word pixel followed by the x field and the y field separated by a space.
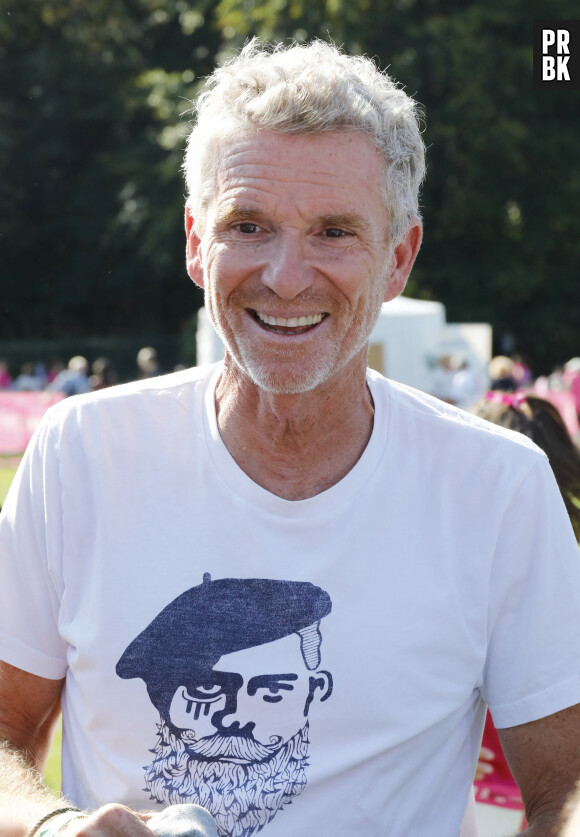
pixel 30 557
pixel 533 660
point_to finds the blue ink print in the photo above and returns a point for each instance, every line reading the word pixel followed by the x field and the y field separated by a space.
pixel 233 666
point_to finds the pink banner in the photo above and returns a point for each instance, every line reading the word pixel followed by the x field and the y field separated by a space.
pixel 20 413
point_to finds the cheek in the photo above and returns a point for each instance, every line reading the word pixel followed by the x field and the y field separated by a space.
pixel 224 271
pixel 282 719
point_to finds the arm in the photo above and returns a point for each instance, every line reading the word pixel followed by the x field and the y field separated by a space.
pixel 29 709
pixel 544 757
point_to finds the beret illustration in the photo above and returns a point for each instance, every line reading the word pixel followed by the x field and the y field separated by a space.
pixel 185 641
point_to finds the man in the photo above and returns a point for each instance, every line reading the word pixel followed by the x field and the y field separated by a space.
pixel 74 380
pixel 441 543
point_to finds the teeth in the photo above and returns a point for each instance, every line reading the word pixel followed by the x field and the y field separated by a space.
pixel 290 322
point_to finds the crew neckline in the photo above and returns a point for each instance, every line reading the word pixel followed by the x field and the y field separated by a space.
pixel 255 495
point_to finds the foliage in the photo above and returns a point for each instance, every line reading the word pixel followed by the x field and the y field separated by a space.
pixel 91 137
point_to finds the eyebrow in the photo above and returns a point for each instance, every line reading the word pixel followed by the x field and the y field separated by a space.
pixel 236 213
pixel 353 222
pixel 241 213
pixel 261 681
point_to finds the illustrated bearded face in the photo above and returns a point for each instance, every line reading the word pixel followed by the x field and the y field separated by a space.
pixel 239 742
pixel 232 666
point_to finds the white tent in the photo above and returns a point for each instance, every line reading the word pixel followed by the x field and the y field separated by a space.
pixel 405 343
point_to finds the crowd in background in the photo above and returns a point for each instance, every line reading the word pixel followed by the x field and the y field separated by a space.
pixel 454 380
pixel 457 382
pixel 77 376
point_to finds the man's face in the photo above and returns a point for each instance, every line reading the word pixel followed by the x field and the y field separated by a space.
pixel 294 255
pixel 247 696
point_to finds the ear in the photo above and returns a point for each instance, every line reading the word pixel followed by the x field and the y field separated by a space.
pixel 403 259
pixel 321 682
pixel 192 248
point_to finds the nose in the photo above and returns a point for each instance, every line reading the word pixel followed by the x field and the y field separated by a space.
pixel 235 729
pixel 287 272
pixel 235 717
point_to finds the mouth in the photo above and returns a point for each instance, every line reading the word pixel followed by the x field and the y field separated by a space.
pixel 288 325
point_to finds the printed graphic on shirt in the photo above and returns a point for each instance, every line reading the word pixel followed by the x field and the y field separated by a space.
pixel 233 667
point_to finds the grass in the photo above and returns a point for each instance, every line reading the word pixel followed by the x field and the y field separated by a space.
pixel 52 771
pixel 6 475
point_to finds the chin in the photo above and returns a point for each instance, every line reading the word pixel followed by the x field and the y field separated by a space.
pixel 243 794
pixel 292 378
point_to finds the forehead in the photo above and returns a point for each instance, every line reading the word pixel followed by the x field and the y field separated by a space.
pixel 281 656
pixel 330 173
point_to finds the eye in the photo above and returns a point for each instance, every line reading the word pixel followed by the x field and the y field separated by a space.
pixel 206 693
pixel 335 232
pixel 247 228
pixel 209 690
pixel 271 683
pixel 201 700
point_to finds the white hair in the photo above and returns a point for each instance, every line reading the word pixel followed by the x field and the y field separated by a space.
pixel 311 88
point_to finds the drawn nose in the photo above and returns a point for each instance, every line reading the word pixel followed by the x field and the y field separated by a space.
pixel 233 718
pixel 235 729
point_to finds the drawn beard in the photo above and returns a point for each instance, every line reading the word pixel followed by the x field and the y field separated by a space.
pixel 242 782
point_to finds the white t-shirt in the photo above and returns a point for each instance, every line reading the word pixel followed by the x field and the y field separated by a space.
pixel 345 646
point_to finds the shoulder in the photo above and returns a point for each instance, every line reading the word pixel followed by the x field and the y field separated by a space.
pixel 438 429
pixel 154 405
pixel 164 388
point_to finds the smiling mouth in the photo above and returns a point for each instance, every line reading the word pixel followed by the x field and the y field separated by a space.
pixel 289 325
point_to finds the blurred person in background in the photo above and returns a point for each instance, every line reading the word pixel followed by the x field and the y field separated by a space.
pixel 541 422
pixel 501 373
pixel 571 379
pixel 103 374
pixel 5 377
pixel 73 380
pixel 148 365
pixel 29 380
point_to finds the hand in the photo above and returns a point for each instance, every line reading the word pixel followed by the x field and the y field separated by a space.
pixel 109 821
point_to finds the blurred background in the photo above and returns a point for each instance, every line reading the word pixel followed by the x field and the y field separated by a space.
pixel 94 109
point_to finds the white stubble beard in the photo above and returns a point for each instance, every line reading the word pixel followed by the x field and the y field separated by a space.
pixel 245 351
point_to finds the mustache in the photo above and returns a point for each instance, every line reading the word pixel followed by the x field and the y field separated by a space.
pixel 243 748
pixel 261 297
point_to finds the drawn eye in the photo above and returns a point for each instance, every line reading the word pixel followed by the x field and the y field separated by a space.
pixel 206 691
pixel 202 699
pixel 272 684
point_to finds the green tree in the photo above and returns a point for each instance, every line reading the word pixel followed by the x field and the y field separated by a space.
pixel 91 139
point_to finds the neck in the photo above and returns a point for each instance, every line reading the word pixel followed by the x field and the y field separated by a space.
pixel 296 446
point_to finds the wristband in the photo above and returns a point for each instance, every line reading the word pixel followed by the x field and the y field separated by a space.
pixel 60 817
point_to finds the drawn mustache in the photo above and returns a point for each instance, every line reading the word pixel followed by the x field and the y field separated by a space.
pixel 234 747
